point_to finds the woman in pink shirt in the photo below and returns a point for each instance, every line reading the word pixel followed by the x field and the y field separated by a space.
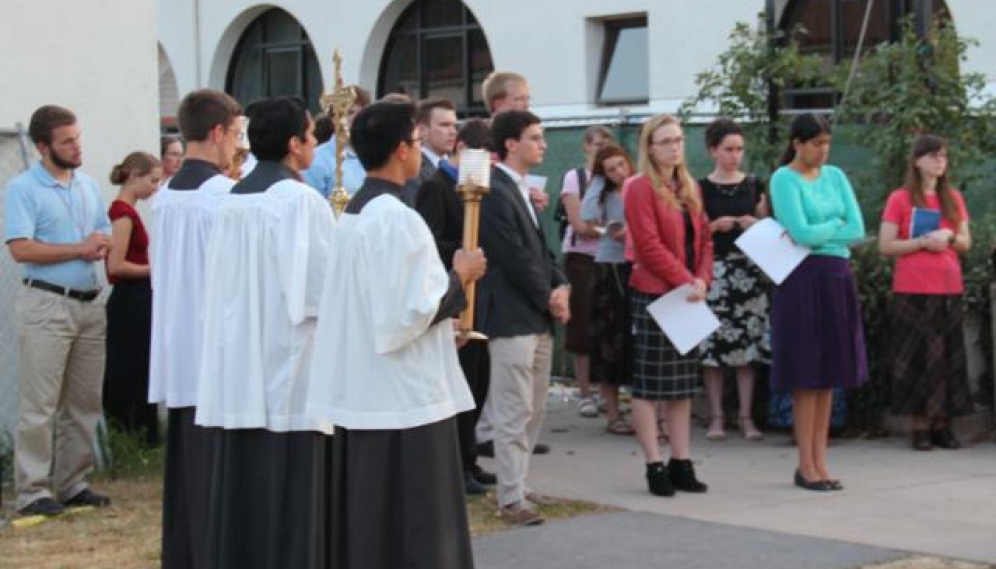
pixel 930 381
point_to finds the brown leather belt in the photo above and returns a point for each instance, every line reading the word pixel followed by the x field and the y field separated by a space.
pixel 80 295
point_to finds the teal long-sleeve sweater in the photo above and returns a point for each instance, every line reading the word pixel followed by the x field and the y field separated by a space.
pixel 822 214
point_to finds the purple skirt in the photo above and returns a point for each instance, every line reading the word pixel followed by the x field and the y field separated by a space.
pixel 817 340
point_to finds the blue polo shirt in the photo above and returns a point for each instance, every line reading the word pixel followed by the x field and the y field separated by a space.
pixel 321 174
pixel 39 207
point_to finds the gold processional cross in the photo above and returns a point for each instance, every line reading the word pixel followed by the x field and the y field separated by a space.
pixel 338 103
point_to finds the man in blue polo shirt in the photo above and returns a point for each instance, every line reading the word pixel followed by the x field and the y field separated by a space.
pixel 57 228
pixel 321 174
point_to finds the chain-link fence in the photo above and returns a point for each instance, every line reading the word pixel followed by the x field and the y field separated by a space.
pixel 15 156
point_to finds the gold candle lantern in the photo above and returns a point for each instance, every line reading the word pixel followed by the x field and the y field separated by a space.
pixel 474 182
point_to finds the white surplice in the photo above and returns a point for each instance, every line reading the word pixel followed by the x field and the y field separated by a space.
pixel 379 362
pixel 181 223
pixel 266 264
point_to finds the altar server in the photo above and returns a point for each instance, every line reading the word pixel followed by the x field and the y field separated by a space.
pixel 183 212
pixel 386 371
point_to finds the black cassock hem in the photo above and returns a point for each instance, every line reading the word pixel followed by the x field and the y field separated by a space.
pixel 398 499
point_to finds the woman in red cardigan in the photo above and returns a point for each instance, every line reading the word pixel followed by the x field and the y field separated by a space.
pixel 671 247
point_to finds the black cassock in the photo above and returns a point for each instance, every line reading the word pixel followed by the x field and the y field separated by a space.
pixel 397 495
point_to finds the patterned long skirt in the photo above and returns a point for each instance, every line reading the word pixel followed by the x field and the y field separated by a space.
pixel 611 325
pixel 929 375
pixel 739 297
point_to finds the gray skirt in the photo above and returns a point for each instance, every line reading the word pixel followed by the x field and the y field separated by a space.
pixel 660 373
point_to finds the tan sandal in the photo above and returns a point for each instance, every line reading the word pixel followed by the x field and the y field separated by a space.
pixel 749 430
pixel 619 426
pixel 715 432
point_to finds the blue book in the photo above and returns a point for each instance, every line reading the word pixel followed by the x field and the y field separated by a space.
pixel 923 221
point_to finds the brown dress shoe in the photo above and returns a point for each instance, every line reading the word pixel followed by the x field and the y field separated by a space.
pixel 518 515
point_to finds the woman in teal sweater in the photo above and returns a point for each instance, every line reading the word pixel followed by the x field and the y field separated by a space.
pixel 817 340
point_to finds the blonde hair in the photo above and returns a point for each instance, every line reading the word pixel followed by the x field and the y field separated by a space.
pixel 495 86
pixel 685 190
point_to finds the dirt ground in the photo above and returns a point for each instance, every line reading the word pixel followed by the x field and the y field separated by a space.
pixel 126 535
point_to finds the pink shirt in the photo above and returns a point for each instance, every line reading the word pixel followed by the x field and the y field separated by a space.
pixel 586 245
pixel 924 272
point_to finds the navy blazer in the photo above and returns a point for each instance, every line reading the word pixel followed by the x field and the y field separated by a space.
pixel 514 296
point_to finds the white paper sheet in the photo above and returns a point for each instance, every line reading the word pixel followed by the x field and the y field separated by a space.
pixel 536 181
pixel 685 323
pixel 770 247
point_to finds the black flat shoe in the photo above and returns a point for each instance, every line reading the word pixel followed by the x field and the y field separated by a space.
pixel 815 485
pixel 834 484
pixel 921 440
pixel 944 438
pixel 88 498
pixel 541 448
pixel 42 507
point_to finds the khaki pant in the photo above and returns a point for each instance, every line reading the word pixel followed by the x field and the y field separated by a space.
pixel 520 382
pixel 62 370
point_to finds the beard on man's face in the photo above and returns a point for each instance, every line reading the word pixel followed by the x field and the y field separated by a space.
pixel 61 162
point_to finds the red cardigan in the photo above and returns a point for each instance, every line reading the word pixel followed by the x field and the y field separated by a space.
pixel 657 233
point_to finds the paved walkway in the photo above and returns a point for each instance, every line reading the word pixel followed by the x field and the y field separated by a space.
pixel 896 502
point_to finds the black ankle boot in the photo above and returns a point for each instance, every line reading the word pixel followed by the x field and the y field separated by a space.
pixel 658 480
pixel 683 476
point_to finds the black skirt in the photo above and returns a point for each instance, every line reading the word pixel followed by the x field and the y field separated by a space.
pixel 397 499
pixel 612 325
pixel 270 506
pixel 126 370
pixel 190 454
pixel 929 373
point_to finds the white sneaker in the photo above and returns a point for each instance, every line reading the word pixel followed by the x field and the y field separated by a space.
pixel 588 408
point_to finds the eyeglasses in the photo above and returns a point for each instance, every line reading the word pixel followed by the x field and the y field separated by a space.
pixel 668 141
pixel 414 140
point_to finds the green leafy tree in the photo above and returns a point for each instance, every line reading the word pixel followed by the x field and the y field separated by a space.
pixel 740 83
pixel 914 86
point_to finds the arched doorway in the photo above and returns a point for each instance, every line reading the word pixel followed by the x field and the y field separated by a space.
pixel 437 49
pixel 169 94
pixel 273 57
pixel 831 28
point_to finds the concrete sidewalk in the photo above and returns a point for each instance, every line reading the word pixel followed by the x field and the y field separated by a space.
pixel 896 500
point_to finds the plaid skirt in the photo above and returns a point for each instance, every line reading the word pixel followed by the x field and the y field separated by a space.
pixel 929 373
pixel 660 373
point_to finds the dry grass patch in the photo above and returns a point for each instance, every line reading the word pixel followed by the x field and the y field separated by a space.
pixel 122 536
pixel 483 512
pixel 126 535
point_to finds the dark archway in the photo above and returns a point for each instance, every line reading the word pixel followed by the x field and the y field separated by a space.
pixel 274 56
pixel 437 49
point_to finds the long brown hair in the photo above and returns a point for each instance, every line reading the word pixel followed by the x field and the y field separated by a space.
pixel 683 185
pixel 604 153
pixel 923 145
